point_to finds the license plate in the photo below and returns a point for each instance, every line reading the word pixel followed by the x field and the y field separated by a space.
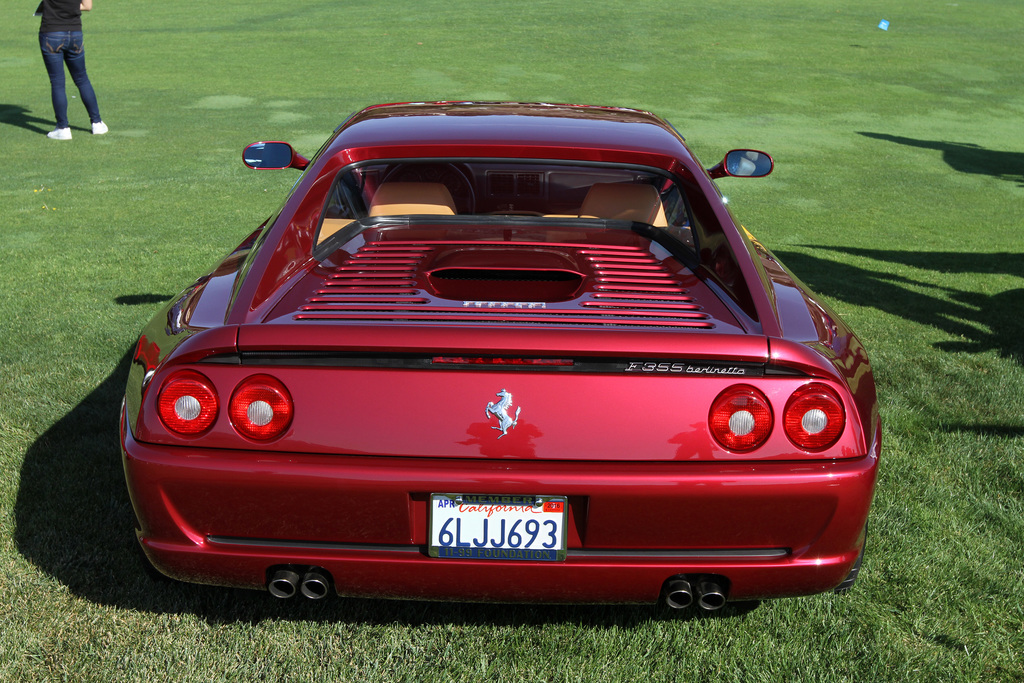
pixel 494 527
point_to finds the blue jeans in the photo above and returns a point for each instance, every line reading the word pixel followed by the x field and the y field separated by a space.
pixel 67 47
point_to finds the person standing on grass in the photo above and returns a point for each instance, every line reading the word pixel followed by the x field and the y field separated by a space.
pixel 60 39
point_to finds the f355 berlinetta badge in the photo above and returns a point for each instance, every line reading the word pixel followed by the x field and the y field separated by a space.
pixel 500 411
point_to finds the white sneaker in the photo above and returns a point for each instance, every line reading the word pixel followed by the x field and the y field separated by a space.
pixel 59 134
pixel 99 128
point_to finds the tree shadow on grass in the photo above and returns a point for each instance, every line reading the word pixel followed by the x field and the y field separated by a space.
pixel 983 322
pixel 995 431
pixel 74 521
pixel 967 157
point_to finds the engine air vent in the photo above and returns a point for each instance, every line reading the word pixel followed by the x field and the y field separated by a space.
pixel 482 282
pixel 505 284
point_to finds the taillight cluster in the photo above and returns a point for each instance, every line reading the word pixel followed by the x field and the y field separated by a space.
pixel 814 417
pixel 260 407
pixel 741 418
pixel 187 403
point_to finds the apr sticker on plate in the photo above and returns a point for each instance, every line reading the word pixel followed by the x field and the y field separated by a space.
pixel 494 527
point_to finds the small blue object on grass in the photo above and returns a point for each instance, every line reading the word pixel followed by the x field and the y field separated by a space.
pixel 884 25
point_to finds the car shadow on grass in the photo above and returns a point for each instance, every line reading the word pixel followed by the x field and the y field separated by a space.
pixel 966 157
pixel 982 322
pixel 74 521
pixel 141 299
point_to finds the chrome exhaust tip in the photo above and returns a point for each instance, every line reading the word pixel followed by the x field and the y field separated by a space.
pixel 710 595
pixel 678 593
pixel 283 584
pixel 315 584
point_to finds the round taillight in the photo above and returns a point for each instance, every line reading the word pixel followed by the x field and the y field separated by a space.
pixel 187 403
pixel 814 417
pixel 261 408
pixel 741 418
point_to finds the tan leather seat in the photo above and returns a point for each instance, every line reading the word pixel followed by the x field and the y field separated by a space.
pixel 329 226
pixel 624 202
pixel 405 199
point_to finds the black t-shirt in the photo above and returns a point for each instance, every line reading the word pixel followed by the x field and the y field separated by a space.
pixel 60 15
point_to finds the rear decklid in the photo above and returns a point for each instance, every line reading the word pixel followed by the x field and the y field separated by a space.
pixel 590 345
pixel 599 279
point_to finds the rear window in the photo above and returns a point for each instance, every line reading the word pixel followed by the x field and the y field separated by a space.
pixel 544 190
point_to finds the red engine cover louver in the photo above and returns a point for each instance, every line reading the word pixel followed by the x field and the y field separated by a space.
pixel 509 283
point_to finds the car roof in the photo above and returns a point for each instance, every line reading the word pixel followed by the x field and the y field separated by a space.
pixel 509 129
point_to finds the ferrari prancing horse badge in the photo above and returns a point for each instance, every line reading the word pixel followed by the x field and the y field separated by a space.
pixel 500 411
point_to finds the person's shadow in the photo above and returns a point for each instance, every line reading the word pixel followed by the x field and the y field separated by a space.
pixel 17 115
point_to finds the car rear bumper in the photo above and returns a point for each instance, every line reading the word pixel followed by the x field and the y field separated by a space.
pixel 228 518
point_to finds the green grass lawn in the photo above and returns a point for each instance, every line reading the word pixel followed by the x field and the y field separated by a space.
pixel 898 194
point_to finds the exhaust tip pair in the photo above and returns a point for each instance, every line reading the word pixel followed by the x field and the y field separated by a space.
pixel 709 592
pixel 313 582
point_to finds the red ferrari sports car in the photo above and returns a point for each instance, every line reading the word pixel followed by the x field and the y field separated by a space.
pixel 503 352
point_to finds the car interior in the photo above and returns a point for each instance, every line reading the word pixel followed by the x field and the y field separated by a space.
pixel 500 188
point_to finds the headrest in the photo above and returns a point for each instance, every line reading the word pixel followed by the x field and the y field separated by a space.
pixel 404 199
pixel 625 202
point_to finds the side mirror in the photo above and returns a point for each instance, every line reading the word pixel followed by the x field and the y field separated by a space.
pixel 743 163
pixel 273 155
